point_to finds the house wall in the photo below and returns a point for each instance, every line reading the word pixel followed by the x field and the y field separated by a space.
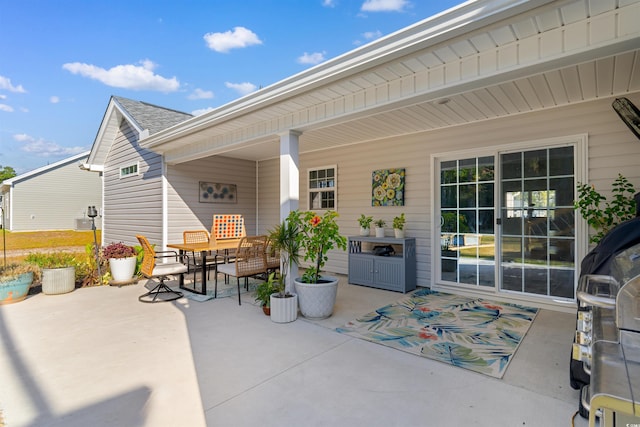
pixel 186 212
pixel 53 199
pixel 612 149
pixel 132 205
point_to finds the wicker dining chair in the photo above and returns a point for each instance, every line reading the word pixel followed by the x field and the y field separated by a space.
pixel 250 260
pixel 195 260
pixel 152 270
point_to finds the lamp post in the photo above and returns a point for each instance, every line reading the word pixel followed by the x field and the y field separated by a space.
pixel 93 213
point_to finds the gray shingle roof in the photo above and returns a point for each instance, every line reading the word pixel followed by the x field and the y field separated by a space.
pixel 151 117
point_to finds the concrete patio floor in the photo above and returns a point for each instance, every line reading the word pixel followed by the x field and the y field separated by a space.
pixel 99 357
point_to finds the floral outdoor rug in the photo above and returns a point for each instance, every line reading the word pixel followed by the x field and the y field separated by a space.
pixel 471 333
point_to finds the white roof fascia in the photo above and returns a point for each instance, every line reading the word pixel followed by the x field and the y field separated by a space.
pixel 104 126
pixel 18 178
pixel 429 32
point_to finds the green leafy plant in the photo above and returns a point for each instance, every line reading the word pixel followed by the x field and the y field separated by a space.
pixel 13 271
pixel 365 221
pixel 284 239
pixel 603 217
pixel 52 259
pixel 316 236
pixel 265 289
pixel 380 223
pixel 399 221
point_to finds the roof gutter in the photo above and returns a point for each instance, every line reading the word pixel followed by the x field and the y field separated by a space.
pixel 451 23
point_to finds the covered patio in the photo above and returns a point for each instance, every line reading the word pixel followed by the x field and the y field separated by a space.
pixel 98 357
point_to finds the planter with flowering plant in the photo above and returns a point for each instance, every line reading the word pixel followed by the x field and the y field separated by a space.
pixel 122 262
pixel 317 235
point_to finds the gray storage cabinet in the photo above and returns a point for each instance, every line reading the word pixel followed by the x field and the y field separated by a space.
pixel 396 272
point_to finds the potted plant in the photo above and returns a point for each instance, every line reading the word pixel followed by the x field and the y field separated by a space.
pixel 15 282
pixel 58 271
pixel 122 262
pixel 398 226
pixel 263 293
pixel 380 223
pixel 284 304
pixel 316 236
pixel 365 224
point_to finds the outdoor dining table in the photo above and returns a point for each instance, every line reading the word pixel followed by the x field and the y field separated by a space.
pixel 204 249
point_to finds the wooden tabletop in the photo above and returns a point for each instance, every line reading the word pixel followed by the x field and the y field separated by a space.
pixel 217 245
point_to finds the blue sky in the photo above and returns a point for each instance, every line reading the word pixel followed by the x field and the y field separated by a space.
pixel 60 61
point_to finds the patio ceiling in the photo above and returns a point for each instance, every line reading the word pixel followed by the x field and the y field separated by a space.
pixel 481 61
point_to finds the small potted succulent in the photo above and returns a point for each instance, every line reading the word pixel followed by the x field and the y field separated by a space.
pixel 380 223
pixel 398 226
pixel 122 261
pixel 365 224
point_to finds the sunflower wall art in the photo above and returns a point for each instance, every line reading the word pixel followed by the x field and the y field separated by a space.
pixel 387 187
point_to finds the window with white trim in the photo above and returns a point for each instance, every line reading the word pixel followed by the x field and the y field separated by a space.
pixel 129 170
pixel 322 188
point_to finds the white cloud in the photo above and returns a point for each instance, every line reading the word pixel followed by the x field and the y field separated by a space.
pixel 312 58
pixel 5 83
pixel 242 88
pixel 201 111
pixel 201 94
pixel 329 3
pixel 3 96
pixel 372 35
pixel 384 5
pixel 41 148
pixel 54 99
pixel 224 42
pixel 135 77
pixel 7 108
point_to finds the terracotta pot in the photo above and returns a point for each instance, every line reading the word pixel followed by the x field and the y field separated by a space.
pixel 266 310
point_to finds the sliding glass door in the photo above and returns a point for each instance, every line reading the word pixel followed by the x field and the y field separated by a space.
pixel 507 222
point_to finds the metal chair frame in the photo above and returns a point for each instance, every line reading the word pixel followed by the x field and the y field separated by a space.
pixel 161 271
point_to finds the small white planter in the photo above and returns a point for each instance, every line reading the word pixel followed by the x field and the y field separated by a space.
pixel 122 269
pixel 284 310
pixel 398 233
pixel 379 231
pixel 364 231
pixel 58 280
pixel 317 299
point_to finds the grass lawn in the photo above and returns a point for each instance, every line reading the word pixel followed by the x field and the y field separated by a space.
pixel 44 240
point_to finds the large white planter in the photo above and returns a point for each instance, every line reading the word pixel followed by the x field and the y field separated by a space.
pixel 284 310
pixel 122 269
pixel 317 299
pixel 58 280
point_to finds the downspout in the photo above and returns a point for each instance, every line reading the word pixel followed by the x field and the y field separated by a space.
pixel 165 205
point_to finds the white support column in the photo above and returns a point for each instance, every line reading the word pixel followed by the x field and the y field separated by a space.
pixel 289 185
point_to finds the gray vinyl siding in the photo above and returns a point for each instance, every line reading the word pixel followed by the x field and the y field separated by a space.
pixel 268 195
pixel 612 149
pixel 133 205
pixel 54 198
pixel 186 212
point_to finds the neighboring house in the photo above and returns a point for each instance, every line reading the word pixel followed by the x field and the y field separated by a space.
pixel 495 110
pixel 53 197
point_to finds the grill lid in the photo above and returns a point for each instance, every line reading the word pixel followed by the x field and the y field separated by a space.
pixel 628 306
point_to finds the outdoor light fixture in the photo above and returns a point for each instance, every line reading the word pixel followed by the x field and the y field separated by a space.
pixel 629 114
pixel 93 213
